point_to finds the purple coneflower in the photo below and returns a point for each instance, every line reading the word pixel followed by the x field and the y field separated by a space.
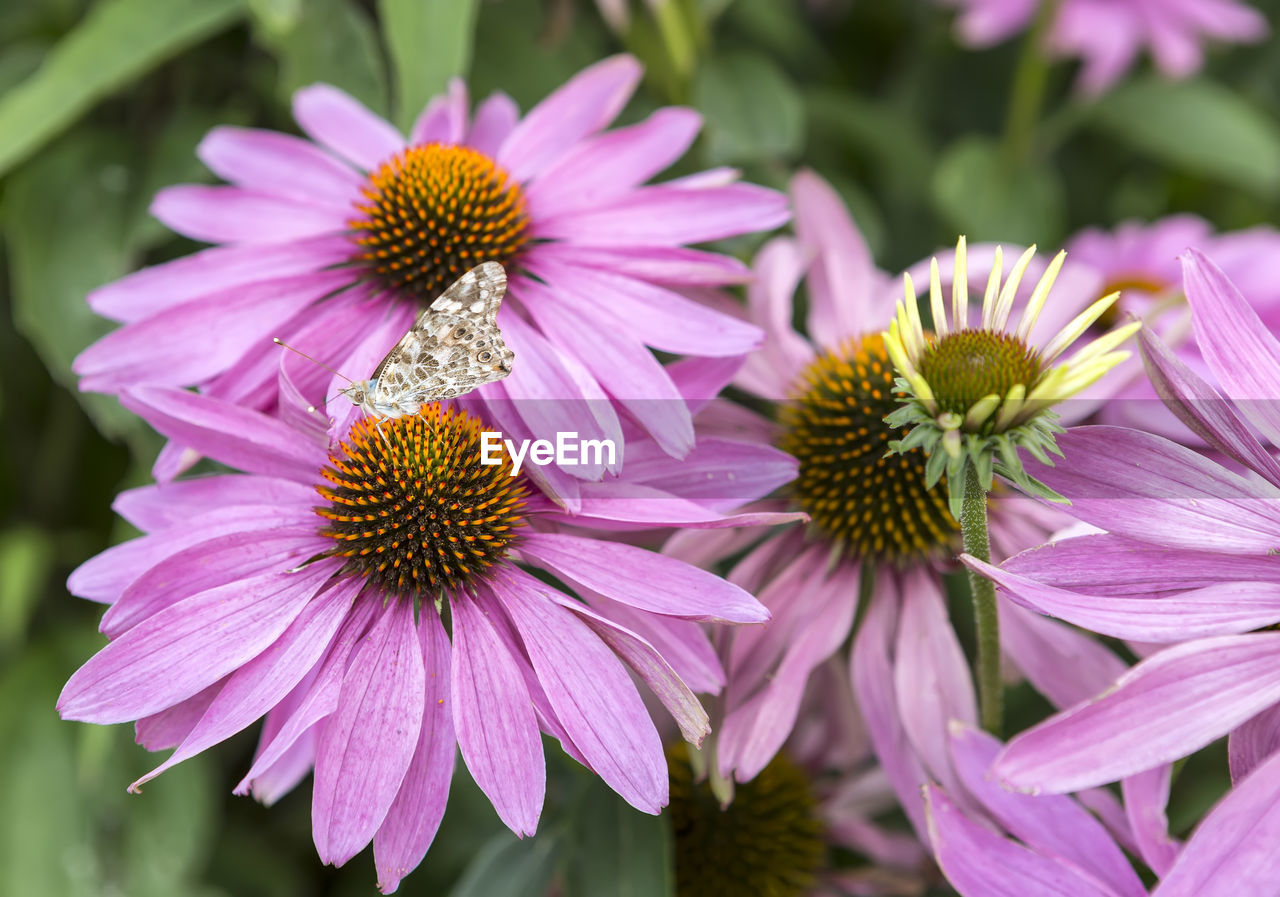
pixel 878 531
pixel 1107 35
pixel 1057 849
pixel 359 589
pixel 1188 558
pixel 349 231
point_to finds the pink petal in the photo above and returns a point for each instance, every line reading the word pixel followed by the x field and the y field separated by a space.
pixel 415 815
pixel 161 287
pixel 664 215
pixel 1146 795
pixel 344 125
pixel 672 265
pixel 1253 742
pixel 264 681
pixel 444 120
pixel 279 164
pixel 189 343
pixel 166 729
pixel 367 744
pixel 186 647
pixel 1222 609
pixel 606 166
pixel 586 103
pixel 1242 353
pixel 236 215
pixel 1064 664
pixel 228 433
pixel 1168 706
pixel 980 863
pixel 1055 827
pixel 163 505
pixel 496 727
pixel 590 692
pixel 494 120
pixel 1233 851
pixel 643 578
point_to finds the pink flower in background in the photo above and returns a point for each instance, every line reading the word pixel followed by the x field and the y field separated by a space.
pixel 1188 559
pixel 326 240
pixel 1107 35
pixel 873 523
pixel 307 589
pixel 1057 848
pixel 1141 261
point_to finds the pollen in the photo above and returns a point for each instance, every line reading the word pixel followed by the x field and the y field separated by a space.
pixel 434 212
pixel 412 508
pixel 869 503
pixel 969 365
pixel 769 841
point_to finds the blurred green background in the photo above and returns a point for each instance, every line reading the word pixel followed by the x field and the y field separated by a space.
pixel 102 103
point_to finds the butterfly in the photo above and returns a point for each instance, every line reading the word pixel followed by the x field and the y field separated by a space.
pixel 452 348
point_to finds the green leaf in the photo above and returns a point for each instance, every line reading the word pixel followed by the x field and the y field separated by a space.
pixel 64 222
pixel 26 561
pixel 429 42
pixel 510 867
pixel 617 851
pixel 117 42
pixel 984 197
pixel 277 17
pixel 891 140
pixel 753 113
pixel 334 42
pixel 1198 126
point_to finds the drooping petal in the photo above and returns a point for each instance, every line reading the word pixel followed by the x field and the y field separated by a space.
pixel 643 579
pixel 264 681
pixel 343 124
pixel 1221 609
pixel 1253 742
pixel 591 693
pixel 166 729
pixel 980 863
pixel 494 718
pixel 415 815
pixel 366 746
pixel 1232 853
pixel 1054 826
pixel 1064 664
pixel 1146 796
pixel 187 646
pixel 1173 703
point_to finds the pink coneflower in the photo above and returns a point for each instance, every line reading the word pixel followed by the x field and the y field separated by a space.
pixel 314 589
pixel 1056 848
pixel 1107 35
pixel 328 240
pixel 1189 558
pixel 876 528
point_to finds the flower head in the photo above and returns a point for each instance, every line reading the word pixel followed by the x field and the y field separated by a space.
pixel 1107 35
pixel 365 588
pixel 334 242
pixel 978 394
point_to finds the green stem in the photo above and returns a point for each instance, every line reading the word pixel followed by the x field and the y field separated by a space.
pixel 1028 87
pixel 973 527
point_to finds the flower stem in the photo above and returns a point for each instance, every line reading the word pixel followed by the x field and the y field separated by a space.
pixel 1028 86
pixel 973 527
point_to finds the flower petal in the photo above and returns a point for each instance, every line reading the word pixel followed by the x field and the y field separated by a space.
pixel 1055 827
pixel 279 164
pixel 494 717
pixel 980 863
pixel 222 214
pixel 415 815
pixel 494 120
pixel 367 744
pixel 186 647
pixel 1253 742
pixel 1222 609
pixel 1173 703
pixel 643 578
pixel 162 505
pixel 343 124
pixel 591 693
pixel 263 682
pixel 1146 796
pixel 585 103
pixel 236 436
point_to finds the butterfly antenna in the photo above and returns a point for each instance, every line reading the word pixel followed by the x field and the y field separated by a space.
pixel 280 342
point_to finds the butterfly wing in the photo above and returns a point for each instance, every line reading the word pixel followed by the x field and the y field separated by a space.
pixel 453 347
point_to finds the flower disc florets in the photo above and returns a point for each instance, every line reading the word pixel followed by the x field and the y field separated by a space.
pixel 976 395
pixel 432 213
pixel 768 842
pixel 413 508
pixel 857 494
